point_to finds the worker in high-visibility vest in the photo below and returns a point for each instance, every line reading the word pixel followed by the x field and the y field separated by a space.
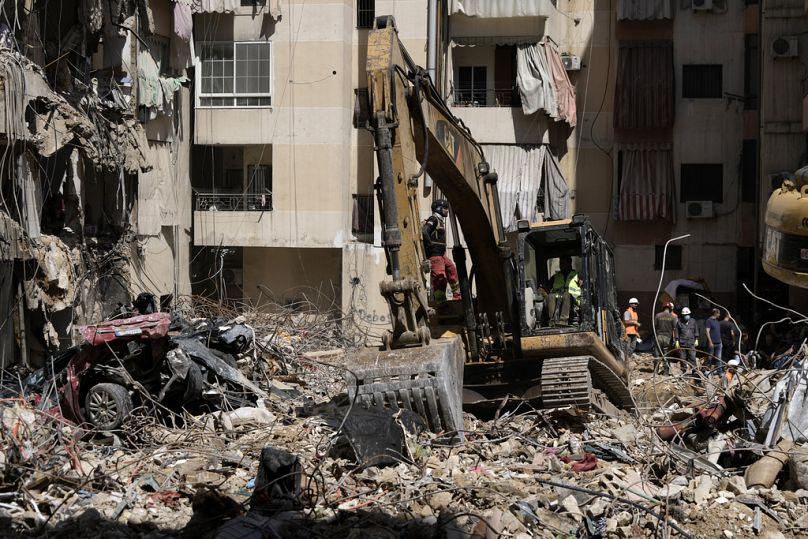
pixel 630 320
pixel 565 292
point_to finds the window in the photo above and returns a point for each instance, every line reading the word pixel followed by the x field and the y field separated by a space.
pixel 702 182
pixel 644 85
pixel 471 85
pixel 702 81
pixel 235 74
pixel 365 13
pixel 362 218
pixel 159 49
pixel 673 258
pixel 253 2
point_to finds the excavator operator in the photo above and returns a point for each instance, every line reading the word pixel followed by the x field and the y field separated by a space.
pixel 442 270
pixel 565 292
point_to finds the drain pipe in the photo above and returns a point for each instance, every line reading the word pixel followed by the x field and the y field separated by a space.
pixel 431 62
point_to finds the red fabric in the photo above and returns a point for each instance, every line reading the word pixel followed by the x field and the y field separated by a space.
pixel 586 464
pixel 442 271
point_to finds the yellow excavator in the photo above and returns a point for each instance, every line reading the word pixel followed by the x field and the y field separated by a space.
pixel 502 343
pixel 785 249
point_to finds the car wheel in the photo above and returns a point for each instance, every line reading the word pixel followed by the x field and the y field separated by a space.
pixel 107 405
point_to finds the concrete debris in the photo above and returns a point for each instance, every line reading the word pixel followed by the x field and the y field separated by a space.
pixel 301 459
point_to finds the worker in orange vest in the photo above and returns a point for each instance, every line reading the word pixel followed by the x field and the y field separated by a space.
pixel 632 324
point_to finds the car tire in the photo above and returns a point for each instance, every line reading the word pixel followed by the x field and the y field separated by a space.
pixel 107 405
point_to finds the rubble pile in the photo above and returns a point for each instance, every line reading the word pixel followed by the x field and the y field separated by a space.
pixel 706 456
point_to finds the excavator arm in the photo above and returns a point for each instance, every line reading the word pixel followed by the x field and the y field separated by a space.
pixel 415 132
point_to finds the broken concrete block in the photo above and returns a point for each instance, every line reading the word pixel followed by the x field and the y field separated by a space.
pixel 570 505
pixel 702 492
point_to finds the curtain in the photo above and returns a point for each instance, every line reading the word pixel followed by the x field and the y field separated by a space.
pixel 644 95
pixel 230 6
pixel 646 183
pixel 644 10
pixel 530 183
pixel 501 8
pixel 563 88
pixel 534 78
pixel 183 21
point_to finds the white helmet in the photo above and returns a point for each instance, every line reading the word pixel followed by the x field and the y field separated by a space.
pixel 685 310
pixel 633 300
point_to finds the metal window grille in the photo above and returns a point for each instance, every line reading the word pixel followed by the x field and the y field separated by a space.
pixel 237 74
pixel 365 13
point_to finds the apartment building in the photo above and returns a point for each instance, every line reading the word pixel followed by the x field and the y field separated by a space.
pixel 660 129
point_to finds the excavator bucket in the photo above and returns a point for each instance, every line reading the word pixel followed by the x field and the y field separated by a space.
pixel 427 380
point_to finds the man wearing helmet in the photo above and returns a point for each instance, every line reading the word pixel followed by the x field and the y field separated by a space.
pixel 442 270
pixel 630 320
pixel 665 325
pixel 687 332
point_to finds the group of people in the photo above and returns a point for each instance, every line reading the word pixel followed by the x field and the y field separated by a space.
pixel 680 336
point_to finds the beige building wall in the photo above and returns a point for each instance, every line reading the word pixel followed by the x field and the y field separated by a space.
pixel 162 219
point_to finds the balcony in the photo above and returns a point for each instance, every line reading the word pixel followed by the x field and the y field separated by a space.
pixel 487 97
pixel 233 202
pixel 502 9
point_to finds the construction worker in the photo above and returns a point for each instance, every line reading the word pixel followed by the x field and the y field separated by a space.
pixel 630 320
pixel 712 330
pixel 565 292
pixel 442 270
pixel 687 332
pixel 665 325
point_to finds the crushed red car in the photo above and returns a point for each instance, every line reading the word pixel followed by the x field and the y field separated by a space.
pixel 127 362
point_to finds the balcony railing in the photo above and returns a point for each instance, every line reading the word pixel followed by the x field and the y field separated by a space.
pixel 487 97
pixel 233 202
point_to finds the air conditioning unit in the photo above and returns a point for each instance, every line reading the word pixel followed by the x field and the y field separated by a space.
pixel 571 62
pixel 702 5
pixel 233 276
pixel 699 209
pixel 785 47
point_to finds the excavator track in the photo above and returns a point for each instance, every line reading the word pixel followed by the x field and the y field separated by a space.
pixel 582 381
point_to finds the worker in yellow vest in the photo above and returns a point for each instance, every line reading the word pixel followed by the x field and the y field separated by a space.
pixel 565 292
pixel 630 320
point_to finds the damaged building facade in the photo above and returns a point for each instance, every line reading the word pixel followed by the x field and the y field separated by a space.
pixel 95 185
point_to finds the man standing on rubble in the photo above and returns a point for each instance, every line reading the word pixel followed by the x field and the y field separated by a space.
pixel 630 320
pixel 687 334
pixel 665 325
pixel 442 270
pixel 728 338
pixel 712 330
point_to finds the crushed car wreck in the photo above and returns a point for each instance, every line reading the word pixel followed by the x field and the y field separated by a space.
pixel 152 358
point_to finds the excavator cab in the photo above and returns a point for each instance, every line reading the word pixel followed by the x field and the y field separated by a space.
pixel 555 302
